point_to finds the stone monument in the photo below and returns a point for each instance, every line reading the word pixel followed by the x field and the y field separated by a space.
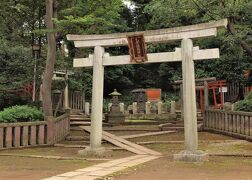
pixel 139 96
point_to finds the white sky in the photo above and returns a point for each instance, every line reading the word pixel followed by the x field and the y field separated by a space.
pixel 129 4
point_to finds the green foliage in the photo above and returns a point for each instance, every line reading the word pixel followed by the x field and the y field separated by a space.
pixel 168 97
pixel 19 18
pixel 173 13
pixel 244 105
pixel 21 23
pixel 20 114
pixel 96 17
pixel 105 105
pixel 16 66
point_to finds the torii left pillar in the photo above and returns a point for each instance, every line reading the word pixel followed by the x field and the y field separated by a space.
pixel 97 105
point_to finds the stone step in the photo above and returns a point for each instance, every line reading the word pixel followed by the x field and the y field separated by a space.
pixel 198 118
pixel 173 125
pixel 66 142
pixel 77 138
pixel 181 122
pixel 77 111
pixel 79 119
pixel 86 123
pixel 172 128
pixel 75 128
pixel 79 123
pixel 70 145
pixel 178 128
pixel 79 115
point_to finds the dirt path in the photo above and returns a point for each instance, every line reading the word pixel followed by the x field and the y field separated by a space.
pixel 218 168
pixel 23 168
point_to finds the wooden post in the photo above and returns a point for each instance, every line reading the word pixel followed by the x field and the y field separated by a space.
pixel 182 101
pixel 50 129
pixel 206 94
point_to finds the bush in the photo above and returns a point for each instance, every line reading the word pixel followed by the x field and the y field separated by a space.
pixel 244 105
pixel 168 98
pixel 20 114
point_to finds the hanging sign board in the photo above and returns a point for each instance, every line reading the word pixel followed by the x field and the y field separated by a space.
pixel 223 89
pixel 137 48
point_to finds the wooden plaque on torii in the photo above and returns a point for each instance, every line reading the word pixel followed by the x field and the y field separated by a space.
pixel 137 48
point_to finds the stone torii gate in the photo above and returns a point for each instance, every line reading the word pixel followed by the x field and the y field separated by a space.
pixel 187 54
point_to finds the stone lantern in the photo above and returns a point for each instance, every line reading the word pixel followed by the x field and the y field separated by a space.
pixel 115 116
pixel 56 98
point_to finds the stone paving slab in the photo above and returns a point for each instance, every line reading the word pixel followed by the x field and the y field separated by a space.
pixel 83 177
pixel 146 134
pixel 70 174
pixel 101 173
pixel 137 162
pixel 131 144
pixel 89 169
pixel 56 178
pixel 104 169
pixel 118 161
pixel 112 139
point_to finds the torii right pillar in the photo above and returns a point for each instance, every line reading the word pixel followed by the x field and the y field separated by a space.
pixel 191 154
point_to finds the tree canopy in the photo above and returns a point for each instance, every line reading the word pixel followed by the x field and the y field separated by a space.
pixel 22 23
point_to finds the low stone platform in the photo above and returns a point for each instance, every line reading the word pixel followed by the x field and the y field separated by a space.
pixel 190 156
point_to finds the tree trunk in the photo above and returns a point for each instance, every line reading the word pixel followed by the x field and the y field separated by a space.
pixel 50 61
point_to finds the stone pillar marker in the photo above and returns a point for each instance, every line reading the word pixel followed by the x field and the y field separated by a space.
pixel 134 107
pixel 97 104
pixel 122 107
pixel 148 107
pixel 159 104
pixel 87 107
pixel 173 110
pixel 109 106
pixel 66 94
pixel 206 94
pixel 189 106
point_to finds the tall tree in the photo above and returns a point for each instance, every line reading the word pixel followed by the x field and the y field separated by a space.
pixel 51 9
pixel 234 56
pixel 238 13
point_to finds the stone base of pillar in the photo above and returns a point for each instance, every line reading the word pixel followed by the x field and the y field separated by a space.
pixel 97 152
pixel 189 156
